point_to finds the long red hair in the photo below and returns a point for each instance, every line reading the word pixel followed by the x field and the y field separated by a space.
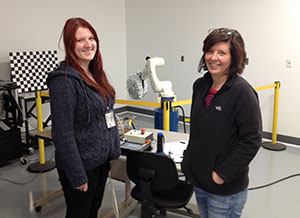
pixel 96 66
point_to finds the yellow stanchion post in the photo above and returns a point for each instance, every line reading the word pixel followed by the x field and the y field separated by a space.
pixel 166 115
pixel 274 145
pixel 130 122
pixel 40 126
pixel 42 165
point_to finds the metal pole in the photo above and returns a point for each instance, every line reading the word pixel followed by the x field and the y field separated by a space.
pixel 38 100
pixel 275 114
pixel 166 115
pixel 42 165
pixel 274 146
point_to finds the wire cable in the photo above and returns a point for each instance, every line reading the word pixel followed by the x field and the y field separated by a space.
pixel 20 183
pixel 273 183
pixel 29 181
pixel 183 115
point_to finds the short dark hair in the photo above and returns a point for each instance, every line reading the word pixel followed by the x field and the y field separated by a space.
pixel 237 48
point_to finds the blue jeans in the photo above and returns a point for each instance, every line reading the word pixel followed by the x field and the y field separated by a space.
pixel 220 206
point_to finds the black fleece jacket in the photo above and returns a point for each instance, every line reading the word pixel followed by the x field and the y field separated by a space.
pixel 224 137
pixel 82 140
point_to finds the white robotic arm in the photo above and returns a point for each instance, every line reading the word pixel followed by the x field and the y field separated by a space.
pixel 164 88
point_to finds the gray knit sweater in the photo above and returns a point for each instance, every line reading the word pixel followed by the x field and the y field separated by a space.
pixel 82 140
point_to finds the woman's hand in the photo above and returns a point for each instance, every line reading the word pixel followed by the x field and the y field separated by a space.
pixel 83 187
pixel 217 179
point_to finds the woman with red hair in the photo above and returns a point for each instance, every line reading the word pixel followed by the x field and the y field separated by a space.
pixel 84 130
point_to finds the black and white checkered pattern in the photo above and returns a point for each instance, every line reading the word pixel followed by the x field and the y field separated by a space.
pixel 29 69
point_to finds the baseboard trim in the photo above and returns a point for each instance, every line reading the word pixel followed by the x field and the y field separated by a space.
pixel 283 138
pixel 121 109
pixel 266 135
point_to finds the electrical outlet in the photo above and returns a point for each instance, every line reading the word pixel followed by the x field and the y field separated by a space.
pixel 288 63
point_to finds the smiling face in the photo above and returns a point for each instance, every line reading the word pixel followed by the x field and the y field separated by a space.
pixel 85 46
pixel 218 59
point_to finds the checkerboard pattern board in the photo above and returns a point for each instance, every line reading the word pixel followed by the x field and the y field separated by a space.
pixel 29 69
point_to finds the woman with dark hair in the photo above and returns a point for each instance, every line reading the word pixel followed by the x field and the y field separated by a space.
pixel 226 128
pixel 84 130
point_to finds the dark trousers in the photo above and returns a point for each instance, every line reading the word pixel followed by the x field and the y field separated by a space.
pixel 82 204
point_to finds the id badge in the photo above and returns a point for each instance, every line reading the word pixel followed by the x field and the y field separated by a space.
pixel 110 119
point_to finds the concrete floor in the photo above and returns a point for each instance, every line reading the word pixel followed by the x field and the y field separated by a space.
pixel 276 201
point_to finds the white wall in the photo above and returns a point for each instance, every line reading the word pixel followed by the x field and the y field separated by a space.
pixel 131 29
pixel 37 25
pixel 270 28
